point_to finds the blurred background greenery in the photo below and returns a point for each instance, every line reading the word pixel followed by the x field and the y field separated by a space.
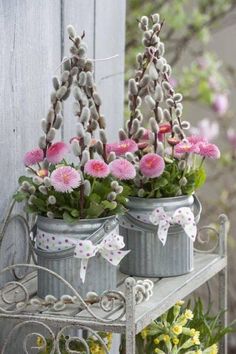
pixel 199 37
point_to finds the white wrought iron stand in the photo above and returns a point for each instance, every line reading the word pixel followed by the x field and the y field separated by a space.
pixel 116 310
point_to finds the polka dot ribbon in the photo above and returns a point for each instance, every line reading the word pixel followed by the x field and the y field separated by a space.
pixel 109 248
pixel 182 216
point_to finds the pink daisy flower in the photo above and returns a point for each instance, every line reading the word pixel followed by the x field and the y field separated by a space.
pixel 196 139
pixel 122 169
pixel 207 129
pixel 65 179
pixel 220 104
pixel 56 152
pixel 185 146
pixel 96 168
pixel 152 165
pixel 231 135
pixel 32 157
pixel 208 150
pixel 122 147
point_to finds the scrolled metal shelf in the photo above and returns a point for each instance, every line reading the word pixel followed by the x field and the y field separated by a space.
pixel 54 339
pixel 107 306
pixel 208 238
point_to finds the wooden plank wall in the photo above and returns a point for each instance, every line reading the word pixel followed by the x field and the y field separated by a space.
pixel 33 41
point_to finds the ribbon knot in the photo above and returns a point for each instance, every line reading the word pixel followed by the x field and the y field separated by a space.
pixel 182 216
pixel 109 248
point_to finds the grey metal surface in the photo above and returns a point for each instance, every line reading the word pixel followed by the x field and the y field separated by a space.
pixel 100 274
pixel 61 262
pixel 148 257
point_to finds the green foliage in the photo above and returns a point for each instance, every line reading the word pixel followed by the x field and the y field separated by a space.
pixel 182 331
pixel 169 183
pixel 68 205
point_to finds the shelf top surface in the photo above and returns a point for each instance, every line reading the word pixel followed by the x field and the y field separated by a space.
pixel 166 292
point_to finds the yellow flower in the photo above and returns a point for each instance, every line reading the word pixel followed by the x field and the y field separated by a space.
pixel 144 334
pixel 177 329
pixel 156 350
pixel 96 349
pixel 179 303
pixel 192 332
pixel 156 341
pixel 214 349
pixel 175 341
pixel 196 339
pixel 39 341
pixel 166 338
pixel 188 314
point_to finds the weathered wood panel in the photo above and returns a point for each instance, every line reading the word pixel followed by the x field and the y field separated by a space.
pixel 33 42
pixel 30 52
pixel 109 74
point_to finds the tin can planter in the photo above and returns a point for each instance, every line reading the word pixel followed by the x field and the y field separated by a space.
pixel 148 256
pixel 100 274
pixel 60 262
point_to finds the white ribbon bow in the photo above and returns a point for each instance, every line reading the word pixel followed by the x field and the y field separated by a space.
pixel 109 248
pixel 182 216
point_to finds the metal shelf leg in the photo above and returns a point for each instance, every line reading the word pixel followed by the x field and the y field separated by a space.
pixel 130 316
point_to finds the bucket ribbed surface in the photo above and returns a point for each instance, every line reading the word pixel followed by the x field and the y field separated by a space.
pixel 148 257
pixel 100 274
pixel 62 263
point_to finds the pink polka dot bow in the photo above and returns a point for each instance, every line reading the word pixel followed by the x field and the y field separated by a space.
pixel 109 248
pixel 182 216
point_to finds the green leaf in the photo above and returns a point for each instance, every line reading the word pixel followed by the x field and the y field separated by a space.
pixel 20 196
pixel 108 205
pixel 95 198
pixel 68 218
pixel 40 204
pixel 25 179
pixel 200 177
pixel 75 213
pixel 95 210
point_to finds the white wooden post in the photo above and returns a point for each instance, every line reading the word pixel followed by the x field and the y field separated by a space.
pixel 33 43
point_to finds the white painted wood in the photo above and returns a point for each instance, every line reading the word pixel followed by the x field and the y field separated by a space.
pixel 30 52
pixel 109 75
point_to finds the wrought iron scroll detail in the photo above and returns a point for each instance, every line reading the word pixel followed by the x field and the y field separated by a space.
pixel 38 341
pixel 212 239
pixel 110 301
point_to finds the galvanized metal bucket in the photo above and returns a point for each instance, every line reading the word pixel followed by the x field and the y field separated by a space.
pixel 148 257
pixel 60 262
pixel 100 274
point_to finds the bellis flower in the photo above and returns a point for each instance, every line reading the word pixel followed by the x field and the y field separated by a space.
pixel 96 168
pixel 122 147
pixel 64 179
pixel 185 146
pixel 33 157
pixel 122 169
pixel 231 135
pixel 206 129
pixel 220 104
pixel 56 152
pixel 152 165
pixel 208 150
